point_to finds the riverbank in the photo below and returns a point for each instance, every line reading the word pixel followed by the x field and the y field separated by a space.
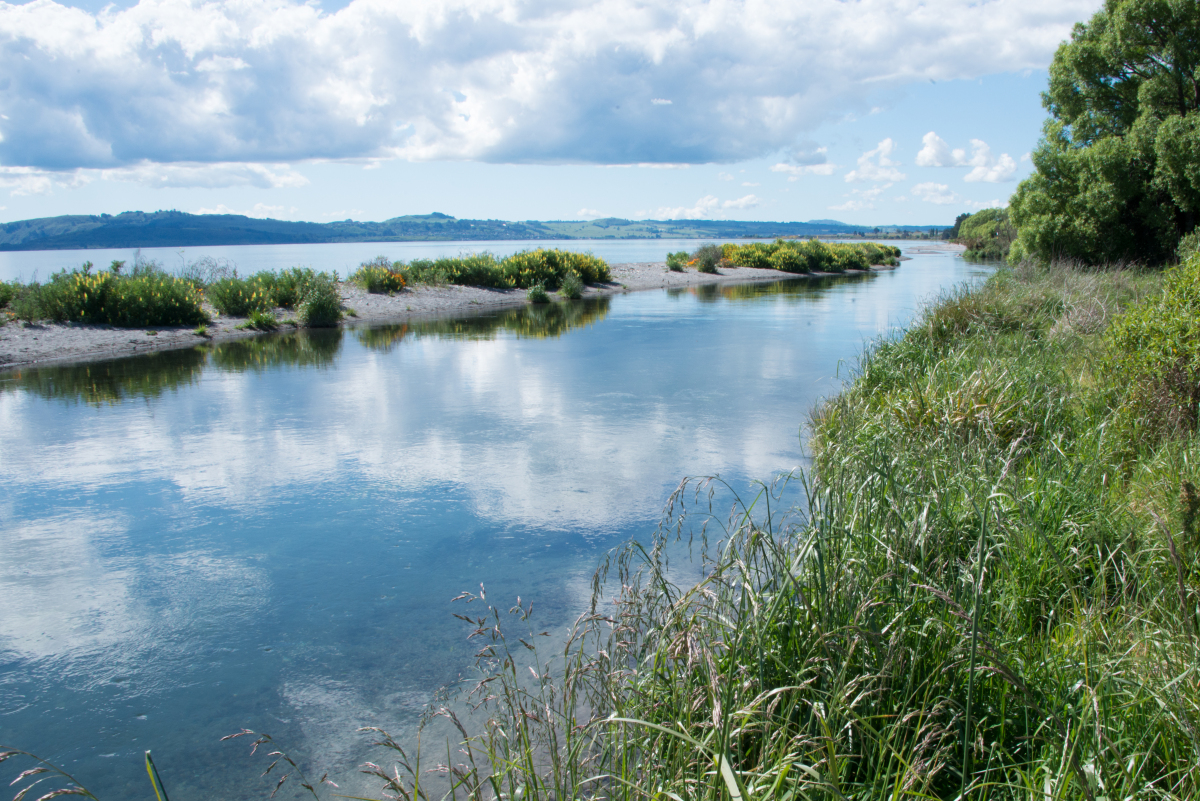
pixel 23 344
pixel 993 592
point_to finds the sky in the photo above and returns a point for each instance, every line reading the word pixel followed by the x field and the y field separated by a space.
pixel 872 112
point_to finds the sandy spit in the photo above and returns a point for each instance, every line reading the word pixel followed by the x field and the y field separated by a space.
pixel 23 344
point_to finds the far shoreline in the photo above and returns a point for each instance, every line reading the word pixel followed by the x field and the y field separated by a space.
pixel 32 345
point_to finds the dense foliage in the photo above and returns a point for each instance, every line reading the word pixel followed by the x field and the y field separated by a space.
pixel 379 277
pixel 1118 168
pixel 143 297
pixel 988 235
pixel 811 256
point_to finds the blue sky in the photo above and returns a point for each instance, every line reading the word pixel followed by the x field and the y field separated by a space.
pixel 866 111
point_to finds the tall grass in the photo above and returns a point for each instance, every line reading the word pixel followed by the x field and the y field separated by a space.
pixel 524 270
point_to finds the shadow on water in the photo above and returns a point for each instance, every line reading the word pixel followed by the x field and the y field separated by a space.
pixel 150 375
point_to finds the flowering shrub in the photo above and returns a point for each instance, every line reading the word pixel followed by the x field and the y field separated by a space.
pixel 125 301
pixel 793 256
pixel 238 297
pixel 379 277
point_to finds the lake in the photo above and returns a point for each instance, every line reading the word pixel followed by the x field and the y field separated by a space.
pixel 268 533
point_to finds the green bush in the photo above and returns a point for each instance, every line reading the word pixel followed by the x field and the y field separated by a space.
pixel 677 262
pixel 813 256
pixel 8 291
pixel 141 298
pixel 238 297
pixel 707 257
pixel 379 276
pixel 521 270
pixel 1154 353
pixel 572 286
pixel 287 288
pixel 322 306
pixel 537 294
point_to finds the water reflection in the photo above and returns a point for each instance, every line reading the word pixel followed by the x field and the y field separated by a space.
pixel 794 288
pixel 149 376
pixel 110 382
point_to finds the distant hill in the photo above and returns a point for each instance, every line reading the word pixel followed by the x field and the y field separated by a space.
pixel 137 229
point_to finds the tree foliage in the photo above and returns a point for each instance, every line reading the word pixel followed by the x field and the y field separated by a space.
pixel 1118 167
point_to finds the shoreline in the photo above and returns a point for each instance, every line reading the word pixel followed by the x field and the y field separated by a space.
pixel 23 345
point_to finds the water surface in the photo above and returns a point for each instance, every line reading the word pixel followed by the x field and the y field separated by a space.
pixel 268 533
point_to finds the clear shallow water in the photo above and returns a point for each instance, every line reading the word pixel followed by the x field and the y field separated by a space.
pixel 268 533
pixel 344 257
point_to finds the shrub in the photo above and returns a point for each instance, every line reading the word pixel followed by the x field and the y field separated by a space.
pixel 238 297
pixel 521 270
pixel 707 258
pixel 756 254
pixel 143 297
pixel 8 291
pixel 789 260
pixel 379 276
pixel 263 321
pixel 537 294
pixel 572 286
pixel 676 262
pixel 322 306
pixel 287 288
pixel 1153 351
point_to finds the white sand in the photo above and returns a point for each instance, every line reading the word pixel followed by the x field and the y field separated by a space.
pixel 22 343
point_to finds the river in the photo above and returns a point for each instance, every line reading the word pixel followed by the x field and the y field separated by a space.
pixel 268 533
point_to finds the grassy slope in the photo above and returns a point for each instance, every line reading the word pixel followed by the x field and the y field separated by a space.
pixel 996 592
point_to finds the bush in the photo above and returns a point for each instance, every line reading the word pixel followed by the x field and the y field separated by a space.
pixel 572 286
pixel 676 262
pixel 263 321
pixel 707 257
pixel 1154 353
pixel 789 260
pixel 537 294
pixel 238 297
pixel 379 276
pixel 288 288
pixel 523 270
pixel 788 255
pixel 322 306
pixel 143 297
pixel 8 291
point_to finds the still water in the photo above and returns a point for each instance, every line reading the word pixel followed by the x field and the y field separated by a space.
pixel 268 533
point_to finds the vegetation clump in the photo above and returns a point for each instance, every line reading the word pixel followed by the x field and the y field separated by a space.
pixel 572 287
pixel 379 277
pixel 813 255
pixel 537 294
pixel 988 235
pixel 528 268
pixel 145 296
pixel 322 305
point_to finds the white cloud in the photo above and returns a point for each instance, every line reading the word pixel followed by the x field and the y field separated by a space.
pixel 747 202
pixel 658 101
pixel 589 214
pixel 35 181
pixel 751 183
pixel 508 81
pixel 875 165
pixel 939 194
pixel 985 167
pixel 795 171
pixel 724 176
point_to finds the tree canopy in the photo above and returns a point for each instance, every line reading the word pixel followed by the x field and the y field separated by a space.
pixel 1118 167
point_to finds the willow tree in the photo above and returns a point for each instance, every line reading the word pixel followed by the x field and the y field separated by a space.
pixel 1118 167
